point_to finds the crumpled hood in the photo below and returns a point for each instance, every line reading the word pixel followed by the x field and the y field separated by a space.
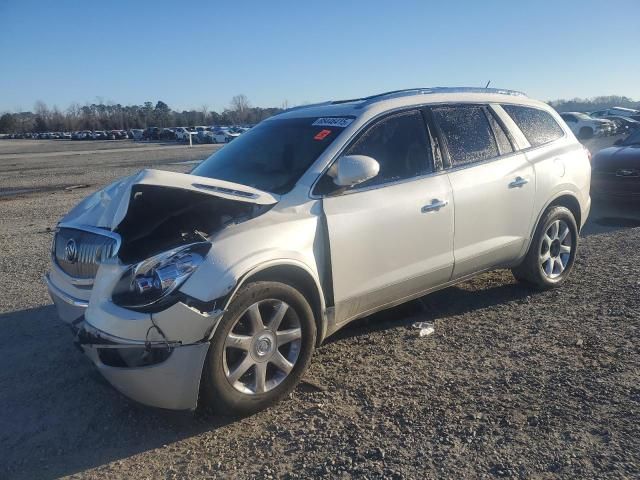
pixel 108 207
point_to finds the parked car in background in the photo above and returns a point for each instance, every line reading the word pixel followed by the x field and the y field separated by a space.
pixel 117 135
pixel 166 134
pixel 66 136
pixel 99 135
pixel 183 134
pixel 216 286
pixel 583 126
pixel 617 112
pixel 136 134
pixel 212 135
pixel 624 125
pixel 233 133
pixel 616 170
pixel 151 133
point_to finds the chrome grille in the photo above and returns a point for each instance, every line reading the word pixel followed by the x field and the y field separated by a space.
pixel 90 249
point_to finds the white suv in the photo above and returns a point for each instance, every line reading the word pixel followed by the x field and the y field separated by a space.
pixel 584 126
pixel 220 283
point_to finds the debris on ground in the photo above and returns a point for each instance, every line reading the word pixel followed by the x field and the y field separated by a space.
pixel 71 188
pixel 313 384
pixel 426 328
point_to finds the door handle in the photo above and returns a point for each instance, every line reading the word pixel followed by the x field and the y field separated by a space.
pixel 518 182
pixel 434 206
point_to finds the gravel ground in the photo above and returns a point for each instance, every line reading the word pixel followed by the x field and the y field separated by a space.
pixel 513 383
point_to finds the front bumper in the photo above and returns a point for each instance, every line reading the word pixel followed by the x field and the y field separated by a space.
pixel 173 382
pixel 70 308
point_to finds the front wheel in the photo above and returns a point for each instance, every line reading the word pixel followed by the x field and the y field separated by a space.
pixel 552 252
pixel 260 350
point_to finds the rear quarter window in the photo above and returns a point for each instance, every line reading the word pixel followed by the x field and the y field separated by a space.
pixel 538 126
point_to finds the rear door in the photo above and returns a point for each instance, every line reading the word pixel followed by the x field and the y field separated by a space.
pixel 493 187
pixel 391 237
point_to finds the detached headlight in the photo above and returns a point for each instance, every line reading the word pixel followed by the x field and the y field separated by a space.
pixel 151 283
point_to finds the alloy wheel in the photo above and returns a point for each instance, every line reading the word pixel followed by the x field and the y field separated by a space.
pixel 262 347
pixel 555 251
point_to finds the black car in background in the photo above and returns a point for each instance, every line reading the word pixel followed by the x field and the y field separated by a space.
pixel 167 134
pixel 151 133
pixel 615 171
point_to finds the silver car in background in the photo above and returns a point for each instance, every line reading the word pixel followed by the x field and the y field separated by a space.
pixel 216 286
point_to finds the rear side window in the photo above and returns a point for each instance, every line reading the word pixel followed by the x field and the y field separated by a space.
pixel 538 126
pixel 466 132
pixel 400 145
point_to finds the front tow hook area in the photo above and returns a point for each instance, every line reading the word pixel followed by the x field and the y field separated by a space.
pixel 114 353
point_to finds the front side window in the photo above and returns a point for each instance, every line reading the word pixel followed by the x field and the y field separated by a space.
pixel 273 155
pixel 467 133
pixel 538 126
pixel 399 143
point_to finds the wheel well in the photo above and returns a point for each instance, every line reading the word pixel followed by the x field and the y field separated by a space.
pixel 572 204
pixel 300 279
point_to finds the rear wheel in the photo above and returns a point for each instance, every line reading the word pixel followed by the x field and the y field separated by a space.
pixel 260 350
pixel 552 252
pixel 586 132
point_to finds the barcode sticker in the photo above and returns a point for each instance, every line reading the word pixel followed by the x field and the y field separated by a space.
pixel 332 122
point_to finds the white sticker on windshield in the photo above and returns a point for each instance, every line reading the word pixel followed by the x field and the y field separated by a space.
pixel 332 122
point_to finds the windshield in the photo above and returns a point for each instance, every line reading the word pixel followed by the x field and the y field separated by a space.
pixel 633 139
pixel 273 155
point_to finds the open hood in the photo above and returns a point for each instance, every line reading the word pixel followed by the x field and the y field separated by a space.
pixel 154 210
pixel 108 207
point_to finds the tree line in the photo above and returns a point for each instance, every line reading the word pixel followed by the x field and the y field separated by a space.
pixel 593 104
pixel 114 116
pixel 110 116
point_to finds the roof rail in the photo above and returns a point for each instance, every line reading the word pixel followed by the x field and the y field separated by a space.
pixel 406 92
pixel 432 90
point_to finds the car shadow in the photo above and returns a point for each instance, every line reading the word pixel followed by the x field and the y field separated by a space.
pixel 58 416
pixel 439 305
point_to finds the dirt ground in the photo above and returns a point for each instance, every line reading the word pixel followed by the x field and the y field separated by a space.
pixel 513 383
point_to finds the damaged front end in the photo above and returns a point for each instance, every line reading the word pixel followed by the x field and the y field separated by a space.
pixel 119 260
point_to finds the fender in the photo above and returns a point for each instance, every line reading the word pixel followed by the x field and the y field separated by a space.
pixel 557 195
pixel 277 262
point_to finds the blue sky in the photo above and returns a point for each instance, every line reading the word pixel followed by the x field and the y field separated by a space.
pixel 190 54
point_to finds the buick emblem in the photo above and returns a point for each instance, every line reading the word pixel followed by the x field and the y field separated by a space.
pixel 71 251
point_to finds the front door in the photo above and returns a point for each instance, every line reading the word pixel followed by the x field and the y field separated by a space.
pixel 391 237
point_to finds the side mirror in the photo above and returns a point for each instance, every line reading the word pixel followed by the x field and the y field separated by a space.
pixel 354 169
pixel 618 142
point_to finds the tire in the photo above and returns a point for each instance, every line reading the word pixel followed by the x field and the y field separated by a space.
pixel 551 255
pixel 586 132
pixel 224 388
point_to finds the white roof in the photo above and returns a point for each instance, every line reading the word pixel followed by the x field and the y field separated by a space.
pixel 402 98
